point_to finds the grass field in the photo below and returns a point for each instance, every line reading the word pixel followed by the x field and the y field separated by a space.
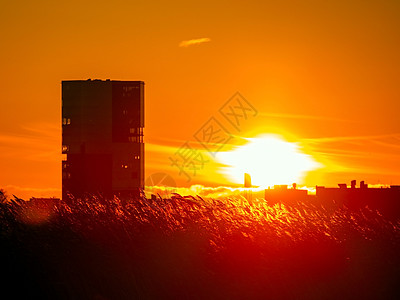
pixel 192 248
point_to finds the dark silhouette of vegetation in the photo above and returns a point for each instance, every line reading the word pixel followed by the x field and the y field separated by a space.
pixel 192 248
pixel 3 196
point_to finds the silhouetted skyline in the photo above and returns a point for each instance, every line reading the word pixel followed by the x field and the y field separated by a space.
pixel 330 86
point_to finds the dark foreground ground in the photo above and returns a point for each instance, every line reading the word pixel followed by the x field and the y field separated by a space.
pixel 188 248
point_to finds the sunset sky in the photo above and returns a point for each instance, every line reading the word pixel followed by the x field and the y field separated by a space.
pixel 322 75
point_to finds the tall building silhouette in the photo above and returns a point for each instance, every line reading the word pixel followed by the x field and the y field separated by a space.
pixel 102 137
pixel 247 180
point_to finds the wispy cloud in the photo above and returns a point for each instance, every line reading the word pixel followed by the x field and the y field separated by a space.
pixel 305 117
pixel 36 142
pixel 203 191
pixel 28 192
pixel 368 154
pixel 374 138
pixel 188 43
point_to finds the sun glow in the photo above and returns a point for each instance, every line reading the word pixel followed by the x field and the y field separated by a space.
pixel 269 159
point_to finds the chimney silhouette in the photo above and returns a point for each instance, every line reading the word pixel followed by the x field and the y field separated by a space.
pixel 353 184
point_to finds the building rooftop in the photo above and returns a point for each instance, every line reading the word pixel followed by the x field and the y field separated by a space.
pixel 105 80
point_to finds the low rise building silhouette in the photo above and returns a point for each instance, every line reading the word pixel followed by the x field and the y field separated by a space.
pixel 385 199
pixel 281 193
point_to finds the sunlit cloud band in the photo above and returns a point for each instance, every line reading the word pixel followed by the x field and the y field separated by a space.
pixel 188 43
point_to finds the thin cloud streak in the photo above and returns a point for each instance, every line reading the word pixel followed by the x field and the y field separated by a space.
pixel 204 191
pixel 383 147
pixel 305 117
pixel 27 192
pixel 369 154
pixel 351 138
pixel 37 142
pixel 188 43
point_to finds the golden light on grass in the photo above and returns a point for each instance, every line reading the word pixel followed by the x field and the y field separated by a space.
pixel 269 159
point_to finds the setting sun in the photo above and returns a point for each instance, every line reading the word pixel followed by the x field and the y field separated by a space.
pixel 269 159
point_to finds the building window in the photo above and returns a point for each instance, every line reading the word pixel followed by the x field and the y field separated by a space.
pixel 66 121
pixel 127 91
pixel 136 135
pixel 65 149
pixel 124 166
pixel 135 139
pixel 127 88
pixel 137 156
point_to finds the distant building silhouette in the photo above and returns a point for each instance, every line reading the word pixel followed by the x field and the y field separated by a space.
pixel 247 180
pixel 386 200
pixel 280 193
pixel 102 137
pixel 247 192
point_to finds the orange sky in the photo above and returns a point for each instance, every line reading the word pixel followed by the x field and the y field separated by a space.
pixel 321 73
